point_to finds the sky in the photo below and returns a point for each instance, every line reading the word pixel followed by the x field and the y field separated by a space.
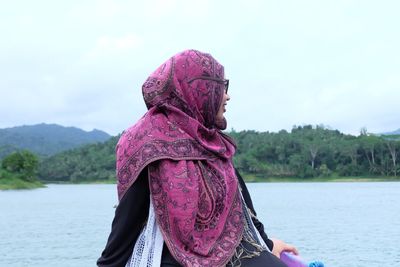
pixel 82 62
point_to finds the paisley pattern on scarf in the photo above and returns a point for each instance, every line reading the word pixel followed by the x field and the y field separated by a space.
pixel 179 213
pixel 192 180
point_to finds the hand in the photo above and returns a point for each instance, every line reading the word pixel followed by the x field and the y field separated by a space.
pixel 280 246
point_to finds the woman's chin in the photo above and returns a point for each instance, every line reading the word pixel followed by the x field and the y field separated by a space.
pixel 221 123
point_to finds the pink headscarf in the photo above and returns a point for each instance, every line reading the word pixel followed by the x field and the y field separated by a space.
pixel 192 180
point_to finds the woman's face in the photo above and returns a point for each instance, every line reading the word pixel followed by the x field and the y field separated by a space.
pixel 222 109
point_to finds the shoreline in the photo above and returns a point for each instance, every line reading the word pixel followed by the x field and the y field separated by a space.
pixel 273 180
pixel 344 179
pixel 19 184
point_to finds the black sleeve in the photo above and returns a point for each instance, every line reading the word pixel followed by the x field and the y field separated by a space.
pixel 130 216
pixel 249 203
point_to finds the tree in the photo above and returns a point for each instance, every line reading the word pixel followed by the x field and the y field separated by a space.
pixel 22 163
pixel 392 146
pixel 369 144
pixel 313 140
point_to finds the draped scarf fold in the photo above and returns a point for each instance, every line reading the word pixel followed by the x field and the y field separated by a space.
pixel 192 181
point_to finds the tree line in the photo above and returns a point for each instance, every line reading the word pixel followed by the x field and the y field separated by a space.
pixel 93 162
pixel 304 152
pixel 309 151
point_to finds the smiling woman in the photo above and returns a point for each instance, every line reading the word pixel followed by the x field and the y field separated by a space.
pixel 177 186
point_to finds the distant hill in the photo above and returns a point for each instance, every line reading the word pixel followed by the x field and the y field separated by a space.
pixel 397 132
pixel 46 139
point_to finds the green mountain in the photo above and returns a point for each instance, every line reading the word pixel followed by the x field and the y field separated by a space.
pixel 46 139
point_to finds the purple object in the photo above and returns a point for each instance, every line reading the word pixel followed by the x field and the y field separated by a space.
pixel 292 260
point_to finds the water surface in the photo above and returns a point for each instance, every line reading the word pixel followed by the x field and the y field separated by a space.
pixel 342 224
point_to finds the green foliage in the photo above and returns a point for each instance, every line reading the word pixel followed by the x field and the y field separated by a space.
pixel 308 152
pixel 94 162
pixel 12 181
pixel 22 164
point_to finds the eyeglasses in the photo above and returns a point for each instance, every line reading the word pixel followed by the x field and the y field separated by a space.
pixel 225 82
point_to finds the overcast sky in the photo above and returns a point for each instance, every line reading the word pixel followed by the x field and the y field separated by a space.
pixel 82 63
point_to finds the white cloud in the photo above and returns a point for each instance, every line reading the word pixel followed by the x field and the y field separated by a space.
pixel 82 63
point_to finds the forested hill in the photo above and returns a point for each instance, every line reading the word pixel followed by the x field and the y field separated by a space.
pixel 304 152
pixel 46 139
pixel 309 151
pixel 94 162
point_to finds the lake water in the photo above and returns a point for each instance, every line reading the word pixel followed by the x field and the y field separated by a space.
pixel 341 224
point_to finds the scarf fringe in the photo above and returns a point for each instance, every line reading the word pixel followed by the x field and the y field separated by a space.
pixel 252 244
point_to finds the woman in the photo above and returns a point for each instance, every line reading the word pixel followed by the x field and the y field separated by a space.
pixel 182 203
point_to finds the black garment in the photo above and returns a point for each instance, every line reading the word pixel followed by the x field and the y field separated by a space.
pixel 249 203
pixel 131 215
pixel 266 259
